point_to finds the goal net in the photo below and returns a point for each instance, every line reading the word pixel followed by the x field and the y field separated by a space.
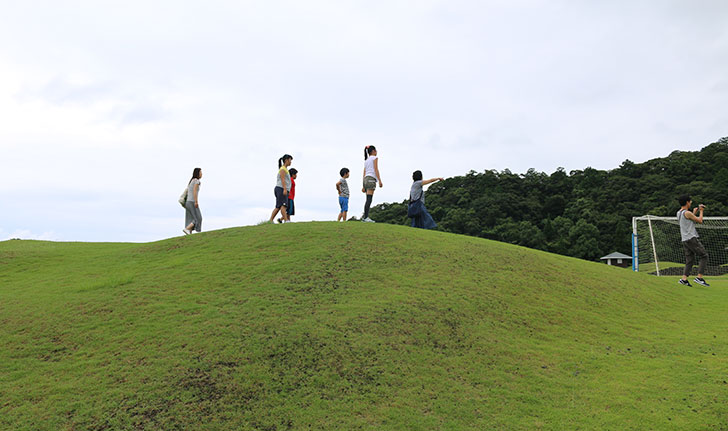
pixel 657 246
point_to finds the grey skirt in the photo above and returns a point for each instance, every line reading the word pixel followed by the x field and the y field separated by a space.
pixel 193 215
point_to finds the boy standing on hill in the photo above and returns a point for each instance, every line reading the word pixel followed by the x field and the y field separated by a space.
pixel 291 210
pixel 691 244
pixel 343 188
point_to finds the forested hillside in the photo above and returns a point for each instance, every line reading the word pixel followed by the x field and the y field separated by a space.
pixel 583 213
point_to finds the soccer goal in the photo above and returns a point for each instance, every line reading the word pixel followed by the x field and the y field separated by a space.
pixel 657 246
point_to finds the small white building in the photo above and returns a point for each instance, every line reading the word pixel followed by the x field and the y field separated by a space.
pixel 617 259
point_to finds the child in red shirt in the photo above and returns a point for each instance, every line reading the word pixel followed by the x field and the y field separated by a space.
pixel 291 195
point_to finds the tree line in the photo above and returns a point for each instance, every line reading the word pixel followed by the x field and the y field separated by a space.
pixel 582 213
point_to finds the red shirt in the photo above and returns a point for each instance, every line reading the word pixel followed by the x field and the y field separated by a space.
pixel 292 192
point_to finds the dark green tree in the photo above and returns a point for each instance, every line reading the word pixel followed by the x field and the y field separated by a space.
pixel 583 213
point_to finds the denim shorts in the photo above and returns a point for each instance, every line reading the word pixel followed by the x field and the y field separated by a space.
pixel 344 203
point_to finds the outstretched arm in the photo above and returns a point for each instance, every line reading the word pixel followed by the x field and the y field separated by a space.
pixel 431 180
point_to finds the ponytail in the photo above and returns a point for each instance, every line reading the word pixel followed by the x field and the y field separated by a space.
pixel 368 150
pixel 283 159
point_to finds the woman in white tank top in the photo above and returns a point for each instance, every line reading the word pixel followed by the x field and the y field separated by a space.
pixel 371 177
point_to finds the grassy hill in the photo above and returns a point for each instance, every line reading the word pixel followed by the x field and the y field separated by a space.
pixel 350 326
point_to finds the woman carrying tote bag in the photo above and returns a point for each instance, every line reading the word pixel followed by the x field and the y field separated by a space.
pixel 416 209
pixel 193 216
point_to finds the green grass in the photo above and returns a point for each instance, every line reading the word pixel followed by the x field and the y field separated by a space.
pixel 650 267
pixel 351 326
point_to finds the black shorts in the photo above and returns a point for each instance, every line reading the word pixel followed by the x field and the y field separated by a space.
pixel 281 199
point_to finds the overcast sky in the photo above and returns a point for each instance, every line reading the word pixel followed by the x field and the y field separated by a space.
pixel 107 106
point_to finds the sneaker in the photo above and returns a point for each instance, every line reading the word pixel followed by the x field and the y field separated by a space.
pixel 685 283
pixel 701 282
pixel 368 220
pixel 186 232
pixel 280 220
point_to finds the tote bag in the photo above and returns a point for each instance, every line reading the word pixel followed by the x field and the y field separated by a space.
pixel 183 198
pixel 414 209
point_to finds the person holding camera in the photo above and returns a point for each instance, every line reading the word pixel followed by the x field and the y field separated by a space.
pixel 691 244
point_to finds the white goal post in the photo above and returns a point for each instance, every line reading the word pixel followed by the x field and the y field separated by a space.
pixel 657 246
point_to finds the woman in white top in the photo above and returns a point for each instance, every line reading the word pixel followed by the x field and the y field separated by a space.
pixel 193 216
pixel 371 176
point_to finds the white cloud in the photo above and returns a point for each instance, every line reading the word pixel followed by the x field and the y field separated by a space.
pixel 107 107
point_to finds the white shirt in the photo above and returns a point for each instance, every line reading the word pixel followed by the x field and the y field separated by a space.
pixel 191 189
pixel 369 167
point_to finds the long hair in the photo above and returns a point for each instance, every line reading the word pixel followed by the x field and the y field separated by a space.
pixel 368 150
pixel 283 159
pixel 195 174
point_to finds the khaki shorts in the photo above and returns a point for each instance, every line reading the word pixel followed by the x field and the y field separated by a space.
pixel 370 183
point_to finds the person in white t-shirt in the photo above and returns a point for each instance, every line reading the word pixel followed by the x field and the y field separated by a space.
pixel 371 177
pixel 193 216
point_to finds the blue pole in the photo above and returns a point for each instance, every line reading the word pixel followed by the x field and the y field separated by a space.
pixel 635 254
